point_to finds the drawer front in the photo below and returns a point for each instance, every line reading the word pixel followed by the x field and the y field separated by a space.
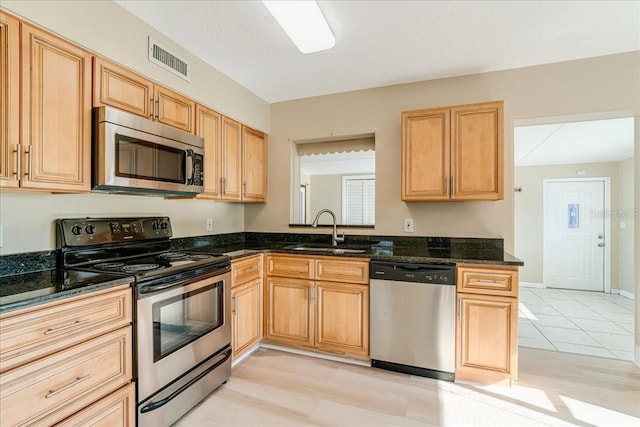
pixel 290 266
pixel 28 335
pixel 487 280
pixel 116 410
pixel 55 387
pixel 246 269
pixel 350 271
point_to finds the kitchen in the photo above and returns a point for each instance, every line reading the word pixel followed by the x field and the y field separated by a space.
pixel 340 114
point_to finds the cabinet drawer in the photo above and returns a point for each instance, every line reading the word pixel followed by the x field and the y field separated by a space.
pixel 351 271
pixel 488 280
pixel 245 270
pixel 290 266
pixel 36 332
pixel 51 389
pixel 116 410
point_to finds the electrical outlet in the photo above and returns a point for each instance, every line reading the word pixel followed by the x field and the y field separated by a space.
pixel 408 225
pixel 209 224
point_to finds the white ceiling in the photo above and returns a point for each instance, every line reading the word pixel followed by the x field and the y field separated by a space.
pixel 577 142
pixel 380 43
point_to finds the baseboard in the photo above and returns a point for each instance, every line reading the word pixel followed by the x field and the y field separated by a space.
pixel 532 285
pixel 626 294
pixel 316 355
pixel 245 355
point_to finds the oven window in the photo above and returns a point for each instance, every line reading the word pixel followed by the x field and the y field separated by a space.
pixel 182 319
pixel 146 160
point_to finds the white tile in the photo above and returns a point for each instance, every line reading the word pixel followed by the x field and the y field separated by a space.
pixel 558 321
pixel 583 349
pixel 624 355
pixel 614 341
pixel 585 313
pixel 541 343
pixel 619 317
pixel 572 336
pixel 529 331
pixel 600 326
pixel 541 309
pixel 607 307
pixel 627 325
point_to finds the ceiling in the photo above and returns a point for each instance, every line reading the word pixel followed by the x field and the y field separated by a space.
pixel 381 43
pixel 352 162
pixel 596 141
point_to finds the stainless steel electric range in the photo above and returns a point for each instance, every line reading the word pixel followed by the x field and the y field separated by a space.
pixel 182 315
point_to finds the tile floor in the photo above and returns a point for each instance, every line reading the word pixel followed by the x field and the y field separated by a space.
pixel 591 323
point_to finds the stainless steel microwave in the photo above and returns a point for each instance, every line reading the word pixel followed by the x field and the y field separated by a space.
pixel 134 155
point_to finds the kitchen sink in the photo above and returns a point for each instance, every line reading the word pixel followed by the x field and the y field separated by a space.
pixel 326 249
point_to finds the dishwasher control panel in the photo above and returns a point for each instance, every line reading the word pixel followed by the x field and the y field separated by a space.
pixel 441 274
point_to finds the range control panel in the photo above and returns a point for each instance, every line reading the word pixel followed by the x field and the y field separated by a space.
pixel 93 231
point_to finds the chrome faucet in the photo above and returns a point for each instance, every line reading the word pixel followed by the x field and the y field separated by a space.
pixel 334 238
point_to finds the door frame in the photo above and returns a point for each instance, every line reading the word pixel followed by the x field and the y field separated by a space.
pixel 607 222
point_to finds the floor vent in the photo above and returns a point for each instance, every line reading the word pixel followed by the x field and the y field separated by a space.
pixel 167 59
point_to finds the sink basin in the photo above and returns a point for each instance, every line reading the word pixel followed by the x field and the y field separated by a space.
pixel 331 250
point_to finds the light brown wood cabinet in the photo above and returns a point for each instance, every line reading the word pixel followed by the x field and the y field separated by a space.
pixel 487 323
pixel 121 88
pixel 46 110
pixel 320 303
pixel 246 297
pixel 68 358
pixel 453 153
pixel 235 161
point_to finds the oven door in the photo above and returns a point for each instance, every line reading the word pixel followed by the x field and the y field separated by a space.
pixel 179 328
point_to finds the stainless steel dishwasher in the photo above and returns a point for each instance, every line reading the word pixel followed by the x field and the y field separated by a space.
pixel 413 318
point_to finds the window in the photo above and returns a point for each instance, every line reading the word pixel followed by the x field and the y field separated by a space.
pixel 358 199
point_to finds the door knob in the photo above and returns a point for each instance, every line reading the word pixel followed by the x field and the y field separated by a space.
pixel 600 245
pixel 600 236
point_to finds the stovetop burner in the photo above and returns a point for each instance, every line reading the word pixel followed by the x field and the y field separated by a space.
pixel 139 268
pixel 109 266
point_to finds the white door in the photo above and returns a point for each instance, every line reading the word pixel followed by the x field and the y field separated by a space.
pixel 574 226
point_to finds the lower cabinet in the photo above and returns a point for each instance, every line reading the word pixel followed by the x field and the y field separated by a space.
pixel 331 316
pixel 487 324
pixel 247 316
pixel 246 298
pixel 65 370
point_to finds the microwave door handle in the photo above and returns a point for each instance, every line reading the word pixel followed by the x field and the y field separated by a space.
pixel 189 167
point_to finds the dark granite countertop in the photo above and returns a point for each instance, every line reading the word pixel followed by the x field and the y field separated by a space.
pixel 29 289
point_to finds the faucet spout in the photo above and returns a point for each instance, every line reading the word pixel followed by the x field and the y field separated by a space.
pixel 334 238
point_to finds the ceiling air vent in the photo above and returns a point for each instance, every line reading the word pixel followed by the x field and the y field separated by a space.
pixel 167 59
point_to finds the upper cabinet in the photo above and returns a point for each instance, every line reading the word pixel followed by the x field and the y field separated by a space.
pixel 46 111
pixel 235 158
pixel 9 99
pixel 453 153
pixel 120 88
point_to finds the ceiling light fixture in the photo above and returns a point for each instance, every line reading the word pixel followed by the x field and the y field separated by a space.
pixel 304 24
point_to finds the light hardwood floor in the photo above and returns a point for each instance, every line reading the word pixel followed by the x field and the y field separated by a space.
pixel 274 388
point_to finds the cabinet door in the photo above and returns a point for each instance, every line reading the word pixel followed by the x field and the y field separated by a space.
pixel 477 151
pixel 208 126
pixel 56 113
pixel 120 88
pixel 9 99
pixel 246 269
pixel 247 316
pixel 425 155
pixel 289 310
pixel 117 409
pixel 487 338
pixel 174 109
pixel 231 159
pixel 342 317
pixel 254 165
pixel 487 280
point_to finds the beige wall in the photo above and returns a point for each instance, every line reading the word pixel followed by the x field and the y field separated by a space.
pixel 584 87
pixel 326 193
pixel 529 224
pixel 107 29
pixel 627 216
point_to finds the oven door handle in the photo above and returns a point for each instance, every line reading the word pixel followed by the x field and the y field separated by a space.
pixel 165 284
pixel 222 357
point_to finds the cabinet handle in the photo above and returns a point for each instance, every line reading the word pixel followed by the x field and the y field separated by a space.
pixel 61 389
pixel 29 162
pixel 244 189
pixel 18 152
pixel 224 186
pixel 62 328
pixel 153 112
pixel 235 305
pixel 485 282
pixel 158 109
